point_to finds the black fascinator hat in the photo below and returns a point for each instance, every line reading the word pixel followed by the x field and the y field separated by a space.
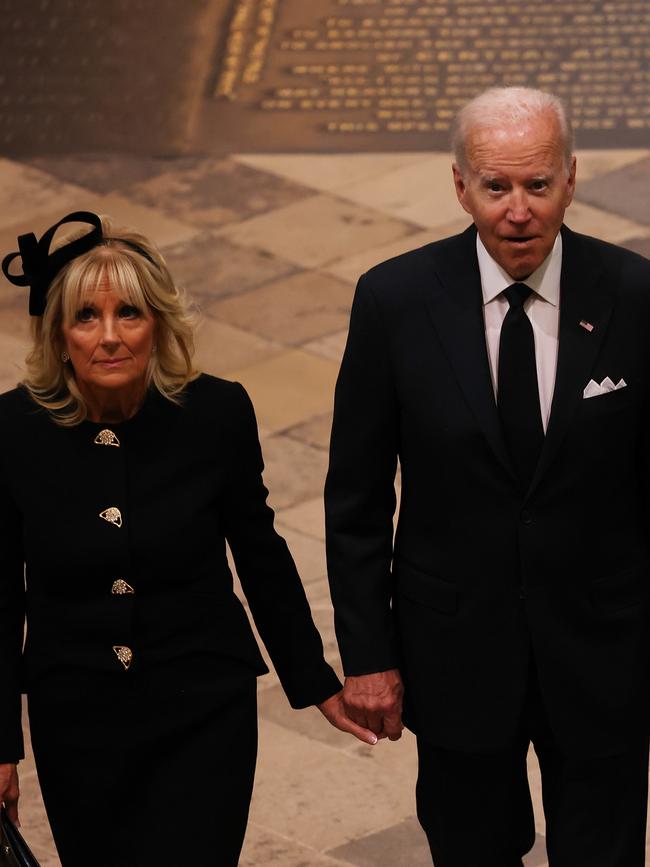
pixel 40 266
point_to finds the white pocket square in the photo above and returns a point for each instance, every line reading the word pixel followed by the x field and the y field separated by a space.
pixel 593 388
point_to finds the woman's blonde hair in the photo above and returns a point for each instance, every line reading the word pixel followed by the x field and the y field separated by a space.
pixel 129 263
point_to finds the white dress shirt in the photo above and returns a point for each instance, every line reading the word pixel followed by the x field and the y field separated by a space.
pixel 542 308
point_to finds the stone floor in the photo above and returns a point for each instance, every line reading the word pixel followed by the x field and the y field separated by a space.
pixel 270 247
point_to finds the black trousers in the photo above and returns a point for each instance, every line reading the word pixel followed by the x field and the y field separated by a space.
pixel 136 778
pixel 476 809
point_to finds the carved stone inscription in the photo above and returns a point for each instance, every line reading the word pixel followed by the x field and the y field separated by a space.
pixel 342 73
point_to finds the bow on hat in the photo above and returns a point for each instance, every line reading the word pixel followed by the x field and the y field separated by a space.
pixel 40 266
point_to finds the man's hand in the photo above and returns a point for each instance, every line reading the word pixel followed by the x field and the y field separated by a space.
pixel 9 791
pixel 374 701
pixel 334 712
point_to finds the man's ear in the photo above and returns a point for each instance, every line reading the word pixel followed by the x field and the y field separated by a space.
pixel 461 187
pixel 571 183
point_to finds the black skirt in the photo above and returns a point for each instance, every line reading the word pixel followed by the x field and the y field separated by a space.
pixel 134 774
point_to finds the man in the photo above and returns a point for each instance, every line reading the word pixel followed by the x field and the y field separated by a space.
pixel 507 369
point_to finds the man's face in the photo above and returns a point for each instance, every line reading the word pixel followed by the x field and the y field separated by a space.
pixel 517 187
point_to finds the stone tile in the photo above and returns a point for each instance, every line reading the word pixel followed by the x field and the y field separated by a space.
pixel 352 267
pixel 274 707
pixel 214 192
pixel 537 855
pixel 273 850
pixel 292 310
pixel 307 517
pixel 601 224
pixel 592 163
pixel 289 388
pixel 400 845
pixel 160 228
pixel 221 347
pixel 212 267
pixel 619 191
pixel 421 193
pixel 318 592
pixel 14 316
pixel 329 172
pixel 331 347
pixel 315 432
pixel 317 230
pixel 639 245
pixel 103 172
pixel 14 350
pixel 293 471
pixel 535 786
pixel 27 193
pixel 318 795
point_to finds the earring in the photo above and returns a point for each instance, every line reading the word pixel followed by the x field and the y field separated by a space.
pixel 64 356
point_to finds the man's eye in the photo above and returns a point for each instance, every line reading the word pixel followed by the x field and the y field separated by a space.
pixel 539 185
pixel 128 311
pixel 494 187
pixel 86 314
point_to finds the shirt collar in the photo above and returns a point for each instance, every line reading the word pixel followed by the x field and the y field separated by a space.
pixel 545 281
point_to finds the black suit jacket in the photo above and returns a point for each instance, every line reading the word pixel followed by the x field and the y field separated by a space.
pixel 185 478
pixel 480 575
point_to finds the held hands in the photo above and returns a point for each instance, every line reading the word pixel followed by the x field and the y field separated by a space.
pixel 9 791
pixel 369 707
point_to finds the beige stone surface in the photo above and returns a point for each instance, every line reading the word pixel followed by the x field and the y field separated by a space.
pixel 221 347
pixel 343 805
pixel 292 310
pixel 592 163
pixel 592 221
pixel 316 230
pixel 289 387
pixel 27 194
pixel 152 222
pixel 330 347
pixel 330 172
pixel 307 517
pixel 421 193
pixel 352 267
pixel 315 431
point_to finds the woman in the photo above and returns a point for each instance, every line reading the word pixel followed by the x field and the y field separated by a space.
pixel 123 473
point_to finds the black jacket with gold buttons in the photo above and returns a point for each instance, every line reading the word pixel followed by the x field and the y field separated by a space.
pixel 123 531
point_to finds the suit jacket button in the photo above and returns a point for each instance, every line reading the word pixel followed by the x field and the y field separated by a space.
pixel 121 588
pixel 124 654
pixel 106 437
pixel 526 517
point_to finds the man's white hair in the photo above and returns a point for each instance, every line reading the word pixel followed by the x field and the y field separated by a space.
pixel 501 107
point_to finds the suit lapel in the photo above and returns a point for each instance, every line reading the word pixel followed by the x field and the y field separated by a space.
pixel 584 296
pixel 456 308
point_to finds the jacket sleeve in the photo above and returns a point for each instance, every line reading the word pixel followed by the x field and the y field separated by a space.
pixel 360 494
pixel 12 621
pixel 267 572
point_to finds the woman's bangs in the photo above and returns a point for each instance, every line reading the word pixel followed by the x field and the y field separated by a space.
pixel 85 278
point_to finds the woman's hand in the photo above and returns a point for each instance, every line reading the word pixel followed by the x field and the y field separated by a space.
pixel 9 792
pixel 334 712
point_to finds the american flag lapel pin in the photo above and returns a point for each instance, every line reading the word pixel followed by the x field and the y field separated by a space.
pixel 586 325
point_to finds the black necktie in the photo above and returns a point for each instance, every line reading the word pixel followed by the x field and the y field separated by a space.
pixel 517 389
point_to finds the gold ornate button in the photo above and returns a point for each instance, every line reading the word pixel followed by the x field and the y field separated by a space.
pixel 124 654
pixel 106 437
pixel 112 515
pixel 121 588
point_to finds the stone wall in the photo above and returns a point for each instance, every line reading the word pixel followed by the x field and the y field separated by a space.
pixel 121 75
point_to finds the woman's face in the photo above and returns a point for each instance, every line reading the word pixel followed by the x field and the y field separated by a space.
pixel 109 341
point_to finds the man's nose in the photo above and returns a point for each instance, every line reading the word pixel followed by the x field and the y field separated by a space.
pixel 518 210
